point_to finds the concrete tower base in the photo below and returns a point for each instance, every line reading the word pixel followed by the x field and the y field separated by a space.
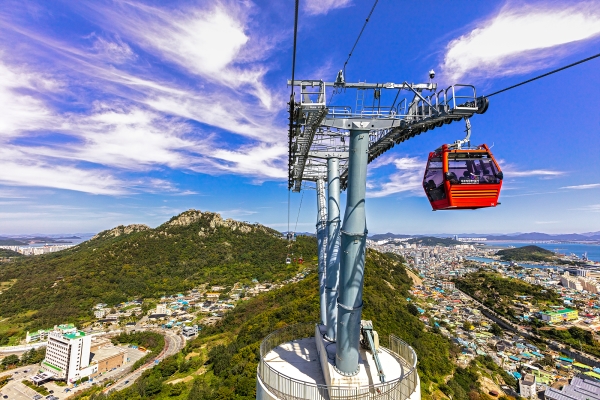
pixel 304 369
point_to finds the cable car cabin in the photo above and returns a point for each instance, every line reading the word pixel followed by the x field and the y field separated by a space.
pixel 462 178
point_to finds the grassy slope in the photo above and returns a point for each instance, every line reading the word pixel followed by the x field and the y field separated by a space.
pixel 190 249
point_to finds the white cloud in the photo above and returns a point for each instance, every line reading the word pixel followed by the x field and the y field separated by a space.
pixel 261 161
pixel 591 208
pixel 115 51
pixel 408 177
pixel 318 7
pixel 145 120
pixel 512 172
pixel 20 105
pixel 207 42
pixel 579 187
pixel 20 170
pixel 518 40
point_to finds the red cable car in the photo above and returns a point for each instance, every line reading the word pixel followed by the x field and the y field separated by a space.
pixel 457 178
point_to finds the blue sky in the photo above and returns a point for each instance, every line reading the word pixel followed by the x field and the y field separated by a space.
pixel 118 112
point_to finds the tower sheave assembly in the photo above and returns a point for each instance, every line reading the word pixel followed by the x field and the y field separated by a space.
pixel 340 357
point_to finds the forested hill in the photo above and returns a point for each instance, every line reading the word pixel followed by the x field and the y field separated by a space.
pixel 137 261
pixel 526 253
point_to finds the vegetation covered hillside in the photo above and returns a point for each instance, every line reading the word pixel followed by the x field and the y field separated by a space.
pixel 526 253
pixel 499 293
pixel 5 253
pixel 223 359
pixel 137 261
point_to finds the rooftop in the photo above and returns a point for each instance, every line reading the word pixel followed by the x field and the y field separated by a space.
pixel 556 312
pixel 74 335
pixel 106 352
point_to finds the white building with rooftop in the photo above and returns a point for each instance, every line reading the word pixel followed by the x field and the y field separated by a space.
pixel 68 354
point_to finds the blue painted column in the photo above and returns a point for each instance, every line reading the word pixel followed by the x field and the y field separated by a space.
pixel 322 245
pixel 353 246
pixel 333 246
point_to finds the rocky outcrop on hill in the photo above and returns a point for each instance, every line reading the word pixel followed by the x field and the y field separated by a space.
pixel 122 230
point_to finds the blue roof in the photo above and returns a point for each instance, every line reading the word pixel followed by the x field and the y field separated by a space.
pixel 516 375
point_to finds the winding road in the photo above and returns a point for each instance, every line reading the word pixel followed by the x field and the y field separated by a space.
pixel 173 344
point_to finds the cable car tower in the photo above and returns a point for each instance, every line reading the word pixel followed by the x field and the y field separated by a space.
pixel 340 357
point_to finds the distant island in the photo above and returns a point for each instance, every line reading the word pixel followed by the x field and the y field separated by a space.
pixel 421 240
pixel 26 240
pixel 433 241
pixel 589 237
pixel 527 253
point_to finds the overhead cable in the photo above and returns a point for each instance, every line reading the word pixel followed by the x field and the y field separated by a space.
pixel 359 35
pixel 290 133
pixel 544 75
pixel 299 208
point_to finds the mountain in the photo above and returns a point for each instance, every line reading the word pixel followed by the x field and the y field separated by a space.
pixel 543 236
pixel 389 235
pixel 433 241
pixel 137 261
pixel 12 242
pixel 538 236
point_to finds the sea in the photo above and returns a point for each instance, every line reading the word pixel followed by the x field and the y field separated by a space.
pixel 592 250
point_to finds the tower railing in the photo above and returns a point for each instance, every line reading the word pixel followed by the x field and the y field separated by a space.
pixel 287 388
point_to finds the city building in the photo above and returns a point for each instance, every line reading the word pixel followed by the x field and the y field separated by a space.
pixel 161 308
pixel 556 316
pixel 106 356
pixel 99 313
pixel 590 285
pixel 580 388
pixel 570 282
pixel 189 331
pixel 35 336
pixel 448 285
pixel 527 387
pixel 68 354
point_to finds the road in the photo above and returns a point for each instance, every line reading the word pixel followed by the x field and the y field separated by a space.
pixel 173 344
pixel 21 348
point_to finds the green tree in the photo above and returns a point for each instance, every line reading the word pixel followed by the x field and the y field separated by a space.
pixel 412 309
pixel 496 330
pixel 10 360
